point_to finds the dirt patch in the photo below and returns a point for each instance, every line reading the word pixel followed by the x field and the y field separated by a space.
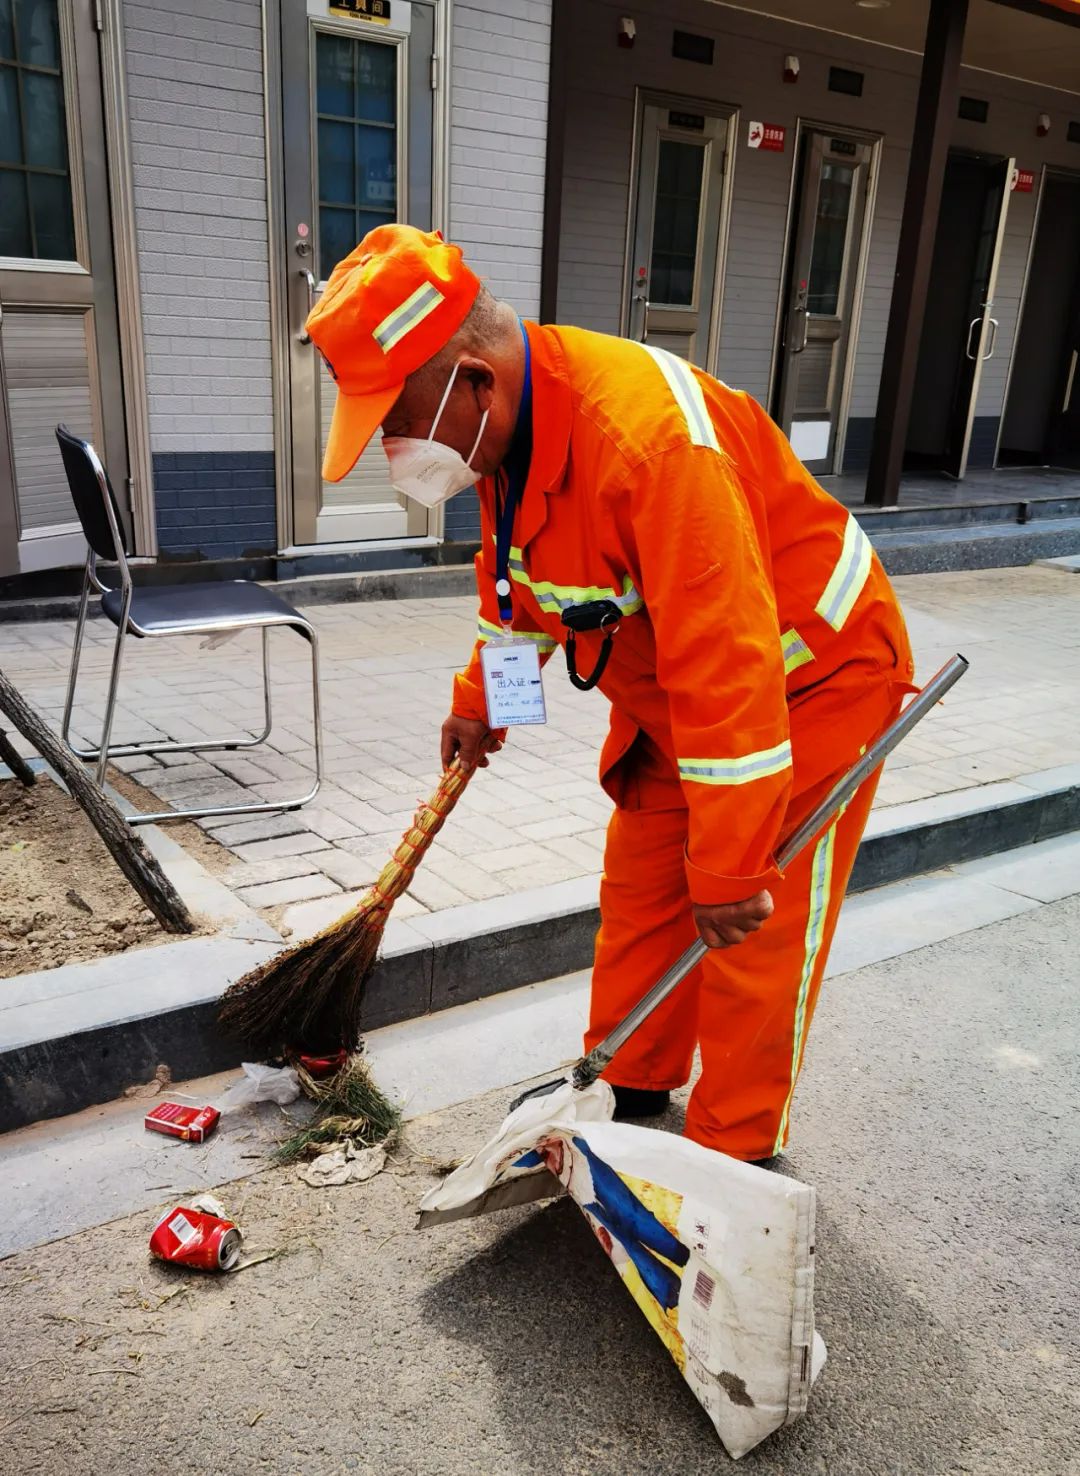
pixel 62 897
pixel 185 833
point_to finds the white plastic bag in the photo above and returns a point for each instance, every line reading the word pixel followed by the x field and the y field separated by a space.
pixel 261 1083
pixel 717 1254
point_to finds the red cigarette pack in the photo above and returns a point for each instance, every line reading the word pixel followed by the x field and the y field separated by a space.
pixel 192 1124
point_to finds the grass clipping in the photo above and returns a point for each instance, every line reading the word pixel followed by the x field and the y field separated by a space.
pixel 349 1106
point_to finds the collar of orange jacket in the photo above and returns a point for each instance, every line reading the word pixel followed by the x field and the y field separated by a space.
pixel 551 414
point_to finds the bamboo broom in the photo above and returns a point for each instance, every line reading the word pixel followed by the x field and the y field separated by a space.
pixel 309 997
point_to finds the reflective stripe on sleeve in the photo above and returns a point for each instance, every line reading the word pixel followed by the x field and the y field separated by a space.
pixel 739 770
pixel 487 631
pixel 688 396
pixel 796 652
pixel 404 319
pixel 557 597
pixel 849 576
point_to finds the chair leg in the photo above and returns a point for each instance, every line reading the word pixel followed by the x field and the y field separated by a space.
pixel 269 807
pixel 183 745
pixel 76 653
pixel 114 683
pixel 267 709
pixel 316 704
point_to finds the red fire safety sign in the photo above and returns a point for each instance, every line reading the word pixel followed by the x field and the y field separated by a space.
pixel 769 136
pixel 1023 181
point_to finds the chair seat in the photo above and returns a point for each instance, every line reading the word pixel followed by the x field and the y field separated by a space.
pixel 161 609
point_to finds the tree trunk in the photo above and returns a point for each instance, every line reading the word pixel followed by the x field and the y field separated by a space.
pixel 127 849
pixel 15 761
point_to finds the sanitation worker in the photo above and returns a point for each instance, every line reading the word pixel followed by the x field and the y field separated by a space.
pixel 656 525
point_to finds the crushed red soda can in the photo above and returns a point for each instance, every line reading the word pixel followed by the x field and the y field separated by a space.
pixel 192 1124
pixel 320 1066
pixel 197 1235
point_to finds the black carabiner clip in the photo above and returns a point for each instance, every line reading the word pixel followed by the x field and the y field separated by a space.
pixel 602 615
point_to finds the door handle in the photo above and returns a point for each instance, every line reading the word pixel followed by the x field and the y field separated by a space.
pixel 312 287
pixel 643 298
pixel 975 323
pixel 993 339
pixel 797 346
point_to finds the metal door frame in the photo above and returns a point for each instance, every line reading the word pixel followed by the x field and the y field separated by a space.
pixel 115 184
pixel 1046 171
pixel 979 357
pixel 9 509
pixel 281 253
pixel 649 97
pixel 126 281
pixel 843 406
pixel 62 542
pixel 706 252
pixel 305 375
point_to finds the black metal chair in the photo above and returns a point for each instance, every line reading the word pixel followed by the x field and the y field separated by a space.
pixel 168 610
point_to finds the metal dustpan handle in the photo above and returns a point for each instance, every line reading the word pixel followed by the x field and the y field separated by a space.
pixel 598 1059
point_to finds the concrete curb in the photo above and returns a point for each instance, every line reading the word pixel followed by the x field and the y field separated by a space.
pixel 77 1036
pixel 909 840
pixel 995 546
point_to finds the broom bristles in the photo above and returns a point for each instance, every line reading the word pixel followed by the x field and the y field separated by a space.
pixel 309 996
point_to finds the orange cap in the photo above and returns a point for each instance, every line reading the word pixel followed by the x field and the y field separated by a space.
pixel 391 305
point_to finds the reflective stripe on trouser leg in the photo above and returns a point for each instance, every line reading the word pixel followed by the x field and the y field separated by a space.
pixel 820 884
pixel 750 995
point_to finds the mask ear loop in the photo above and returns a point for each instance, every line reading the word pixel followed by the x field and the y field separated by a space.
pixel 479 438
pixel 442 407
pixel 442 402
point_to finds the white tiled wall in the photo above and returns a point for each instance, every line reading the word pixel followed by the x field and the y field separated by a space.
pixel 195 89
pixel 497 142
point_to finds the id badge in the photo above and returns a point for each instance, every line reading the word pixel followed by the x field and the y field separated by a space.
pixel 512 686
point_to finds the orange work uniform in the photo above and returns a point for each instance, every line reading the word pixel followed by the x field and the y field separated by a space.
pixel 760 649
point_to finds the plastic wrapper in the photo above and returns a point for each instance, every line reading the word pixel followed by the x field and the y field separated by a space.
pixel 261 1083
pixel 343 1165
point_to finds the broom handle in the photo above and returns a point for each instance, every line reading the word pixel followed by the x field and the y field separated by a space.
pixel 397 874
pixel 589 1067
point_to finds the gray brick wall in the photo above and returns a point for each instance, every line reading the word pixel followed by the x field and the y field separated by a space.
pixel 215 505
pixel 195 90
pixel 498 141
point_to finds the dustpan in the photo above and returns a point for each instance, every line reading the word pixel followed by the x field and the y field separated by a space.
pixel 717 1254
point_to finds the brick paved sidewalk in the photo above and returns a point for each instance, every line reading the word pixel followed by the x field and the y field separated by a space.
pixel 538 814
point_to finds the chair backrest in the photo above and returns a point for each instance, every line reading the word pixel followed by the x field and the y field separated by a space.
pixel 89 494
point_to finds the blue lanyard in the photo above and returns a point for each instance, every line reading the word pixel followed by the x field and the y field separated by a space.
pixel 515 472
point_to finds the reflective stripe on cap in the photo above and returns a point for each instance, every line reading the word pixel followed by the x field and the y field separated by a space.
pixel 404 319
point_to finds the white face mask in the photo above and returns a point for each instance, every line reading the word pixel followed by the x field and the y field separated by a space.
pixel 427 471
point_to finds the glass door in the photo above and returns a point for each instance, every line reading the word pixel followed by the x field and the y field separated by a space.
pixel 59 349
pixel 822 272
pixel 358 122
pixel 675 246
pixel 980 341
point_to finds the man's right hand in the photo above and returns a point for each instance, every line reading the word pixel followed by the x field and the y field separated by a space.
pixel 468 739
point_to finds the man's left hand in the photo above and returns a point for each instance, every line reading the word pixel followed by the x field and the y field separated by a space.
pixel 725 924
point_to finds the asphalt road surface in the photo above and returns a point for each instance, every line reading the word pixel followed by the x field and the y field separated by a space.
pixel 938 1119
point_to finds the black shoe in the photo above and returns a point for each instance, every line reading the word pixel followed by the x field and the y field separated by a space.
pixel 638 1102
